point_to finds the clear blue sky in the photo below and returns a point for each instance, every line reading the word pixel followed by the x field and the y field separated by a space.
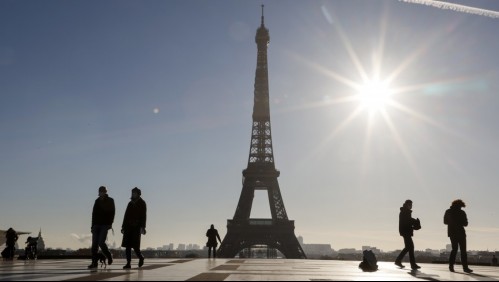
pixel 159 95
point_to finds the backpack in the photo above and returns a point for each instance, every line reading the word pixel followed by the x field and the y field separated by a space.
pixel 369 261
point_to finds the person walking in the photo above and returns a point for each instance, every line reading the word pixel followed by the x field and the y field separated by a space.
pixel 11 239
pixel 456 220
pixel 102 220
pixel 134 225
pixel 212 235
pixel 407 225
pixel 31 250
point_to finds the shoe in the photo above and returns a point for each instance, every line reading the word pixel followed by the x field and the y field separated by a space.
pixel 415 267
pixel 92 265
pixel 399 264
pixel 141 261
pixel 109 260
pixel 127 266
pixel 467 270
pixel 451 268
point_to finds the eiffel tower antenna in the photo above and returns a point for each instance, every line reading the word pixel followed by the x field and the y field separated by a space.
pixel 262 16
pixel 243 232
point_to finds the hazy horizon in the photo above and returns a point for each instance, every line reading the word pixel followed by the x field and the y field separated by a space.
pixel 159 95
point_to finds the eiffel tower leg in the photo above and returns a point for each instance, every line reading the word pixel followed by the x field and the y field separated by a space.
pixel 230 246
pixel 277 235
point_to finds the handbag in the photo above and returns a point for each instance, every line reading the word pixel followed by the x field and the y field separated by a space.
pixel 417 224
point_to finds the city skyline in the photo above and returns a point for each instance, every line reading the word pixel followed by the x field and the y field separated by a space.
pixel 159 95
pixel 316 247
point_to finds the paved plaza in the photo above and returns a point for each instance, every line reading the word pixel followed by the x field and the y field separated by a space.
pixel 232 270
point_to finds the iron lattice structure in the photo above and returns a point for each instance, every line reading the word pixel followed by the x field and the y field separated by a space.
pixel 261 174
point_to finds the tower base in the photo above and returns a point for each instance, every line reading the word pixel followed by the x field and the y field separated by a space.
pixel 279 235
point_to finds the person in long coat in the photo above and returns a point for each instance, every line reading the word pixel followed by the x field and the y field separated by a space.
pixel 212 235
pixel 456 220
pixel 134 225
pixel 11 239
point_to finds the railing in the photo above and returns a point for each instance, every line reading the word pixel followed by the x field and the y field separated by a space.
pixel 262 222
pixel 258 221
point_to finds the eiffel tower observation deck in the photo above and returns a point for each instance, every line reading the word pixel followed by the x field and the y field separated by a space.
pixel 242 231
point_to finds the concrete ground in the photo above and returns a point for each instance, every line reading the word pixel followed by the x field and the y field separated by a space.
pixel 232 270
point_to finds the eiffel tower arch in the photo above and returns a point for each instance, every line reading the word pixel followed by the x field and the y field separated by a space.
pixel 261 174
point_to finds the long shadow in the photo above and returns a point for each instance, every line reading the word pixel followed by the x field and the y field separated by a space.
pixel 421 275
pixel 479 277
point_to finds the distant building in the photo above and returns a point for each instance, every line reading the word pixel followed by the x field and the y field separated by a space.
pixel 317 250
pixel 192 247
pixel 432 252
pixel 41 244
pixel 349 251
pixel 373 249
pixel 185 247
pixel 169 247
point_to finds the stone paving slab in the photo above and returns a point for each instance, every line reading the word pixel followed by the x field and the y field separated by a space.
pixel 233 270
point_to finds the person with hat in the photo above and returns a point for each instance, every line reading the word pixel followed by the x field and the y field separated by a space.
pixel 407 225
pixel 456 220
pixel 102 220
pixel 134 225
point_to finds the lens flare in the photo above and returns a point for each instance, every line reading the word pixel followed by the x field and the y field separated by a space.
pixel 374 95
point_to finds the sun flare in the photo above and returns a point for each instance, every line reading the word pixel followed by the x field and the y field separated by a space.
pixel 378 93
pixel 374 95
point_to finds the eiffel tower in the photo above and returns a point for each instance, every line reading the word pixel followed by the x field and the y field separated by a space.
pixel 261 174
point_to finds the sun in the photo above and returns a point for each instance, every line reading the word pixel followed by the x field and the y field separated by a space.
pixel 374 95
pixel 378 91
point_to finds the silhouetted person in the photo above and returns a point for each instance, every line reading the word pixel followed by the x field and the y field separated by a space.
pixel 456 220
pixel 406 230
pixel 134 225
pixel 212 235
pixel 494 260
pixel 102 220
pixel 11 239
pixel 31 249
